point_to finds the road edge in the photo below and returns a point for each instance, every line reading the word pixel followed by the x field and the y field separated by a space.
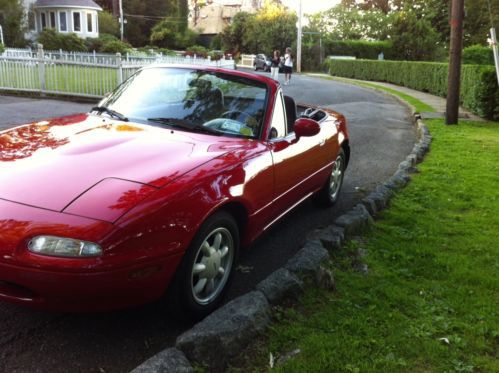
pixel 222 335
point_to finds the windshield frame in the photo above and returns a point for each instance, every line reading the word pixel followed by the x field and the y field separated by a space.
pixel 219 73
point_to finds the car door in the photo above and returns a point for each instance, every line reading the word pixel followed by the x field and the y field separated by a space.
pixel 300 166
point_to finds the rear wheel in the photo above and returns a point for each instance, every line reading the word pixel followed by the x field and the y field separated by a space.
pixel 330 193
pixel 207 268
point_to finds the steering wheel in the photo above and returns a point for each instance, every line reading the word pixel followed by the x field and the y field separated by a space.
pixel 240 116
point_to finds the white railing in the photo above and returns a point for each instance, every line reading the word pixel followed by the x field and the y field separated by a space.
pixel 83 76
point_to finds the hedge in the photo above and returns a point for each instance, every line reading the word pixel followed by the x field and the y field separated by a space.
pixel 362 49
pixel 479 89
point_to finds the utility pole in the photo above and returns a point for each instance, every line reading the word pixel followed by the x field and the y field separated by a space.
pixel 122 21
pixel 298 41
pixel 493 41
pixel 456 47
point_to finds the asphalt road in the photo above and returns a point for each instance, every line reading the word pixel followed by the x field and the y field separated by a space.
pixel 381 136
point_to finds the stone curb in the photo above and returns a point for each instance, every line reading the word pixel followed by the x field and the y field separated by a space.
pixel 228 330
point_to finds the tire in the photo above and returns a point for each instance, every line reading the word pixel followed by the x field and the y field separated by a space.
pixel 256 67
pixel 330 192
pixel 206 271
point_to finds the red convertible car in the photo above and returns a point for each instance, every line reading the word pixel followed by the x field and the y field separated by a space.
pixel 151 194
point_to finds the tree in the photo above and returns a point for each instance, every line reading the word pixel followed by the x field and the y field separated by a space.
pixel 108 24
pixel 477 21
pixel 12 19
pixel 272 27
pixel 233 34
pixel 173 32
pixel 142 16
pixel 350 22
pixel 413 38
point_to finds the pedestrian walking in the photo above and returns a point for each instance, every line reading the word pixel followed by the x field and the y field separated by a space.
pixel 288 66
pixel 274 67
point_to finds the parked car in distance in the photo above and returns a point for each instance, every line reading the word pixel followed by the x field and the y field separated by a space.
pixel 152 193
pixel 262 62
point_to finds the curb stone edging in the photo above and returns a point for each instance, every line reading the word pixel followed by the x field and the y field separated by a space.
pixel 222 335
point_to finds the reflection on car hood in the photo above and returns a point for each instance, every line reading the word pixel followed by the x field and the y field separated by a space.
pixel 48 164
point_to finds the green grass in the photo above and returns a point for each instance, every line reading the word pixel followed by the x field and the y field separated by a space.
pixel 69 79
pixel 433 276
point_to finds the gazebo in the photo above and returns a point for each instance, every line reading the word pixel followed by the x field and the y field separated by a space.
pixel 66 16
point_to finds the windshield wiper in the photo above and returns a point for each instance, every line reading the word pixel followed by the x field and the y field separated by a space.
pixel 111 112
pixel 185 124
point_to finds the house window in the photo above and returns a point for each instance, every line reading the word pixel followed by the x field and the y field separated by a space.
pixel 77 22
pixel 43 19
pixel 52 20
pixel 89 22
pixel 63 25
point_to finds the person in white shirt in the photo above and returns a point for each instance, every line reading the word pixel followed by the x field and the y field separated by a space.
pixel 288 66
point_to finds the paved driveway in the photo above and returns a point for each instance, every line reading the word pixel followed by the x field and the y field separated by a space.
pixel 381 136
pixel 19 110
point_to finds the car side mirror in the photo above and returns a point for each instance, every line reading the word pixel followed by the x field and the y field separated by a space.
pixel 305 127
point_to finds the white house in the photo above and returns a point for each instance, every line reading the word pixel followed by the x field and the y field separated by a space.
pixel 65 16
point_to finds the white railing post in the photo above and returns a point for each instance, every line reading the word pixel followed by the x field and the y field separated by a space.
pixel 41 68
pixel 119 64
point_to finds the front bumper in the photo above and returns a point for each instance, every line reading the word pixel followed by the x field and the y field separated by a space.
pixel 118 279
pixel 83 292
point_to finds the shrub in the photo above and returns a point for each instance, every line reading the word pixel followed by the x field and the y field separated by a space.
pixel 116 46
pixel 52 40
pixel 96 44
pixel 2 48
pixel 197 50
pixel 479 89
pixel 478 55
pixel 108 24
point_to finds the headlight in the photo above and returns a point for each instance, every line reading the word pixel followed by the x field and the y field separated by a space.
pixel 59 246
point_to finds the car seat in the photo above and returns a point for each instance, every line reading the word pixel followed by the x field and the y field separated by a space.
pixel 290 107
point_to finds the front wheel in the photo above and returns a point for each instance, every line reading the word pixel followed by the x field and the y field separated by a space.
pixel 207 268
pixel 330 193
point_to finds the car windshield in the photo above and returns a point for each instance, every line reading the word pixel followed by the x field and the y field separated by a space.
pixel 192 100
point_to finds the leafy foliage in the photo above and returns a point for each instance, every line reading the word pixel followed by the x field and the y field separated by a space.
pixel 346 22
pixel 2 48
pixel 96 44
pixel 272 27
pixel 413 38
pixel 12 20
pixel 478 55
pixel 115 46
pixel 359 48
pixel 142 18
pixel 108 24
pixel 479 89
pixel 172 35
pixel 52 40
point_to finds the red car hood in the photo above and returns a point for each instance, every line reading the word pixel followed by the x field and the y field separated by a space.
pixel 48 164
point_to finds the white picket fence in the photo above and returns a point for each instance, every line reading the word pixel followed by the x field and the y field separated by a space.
pixel 78 74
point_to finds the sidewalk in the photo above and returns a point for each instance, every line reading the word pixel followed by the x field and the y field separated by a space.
pixel 438 103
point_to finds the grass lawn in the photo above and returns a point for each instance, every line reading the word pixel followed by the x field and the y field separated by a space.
pixel 430 301
pixel 64 78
